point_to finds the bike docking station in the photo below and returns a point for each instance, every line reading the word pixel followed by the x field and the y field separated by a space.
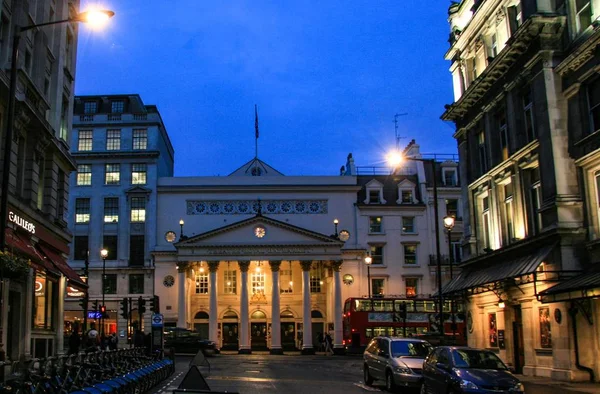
pixel 157 332
pixel 193 381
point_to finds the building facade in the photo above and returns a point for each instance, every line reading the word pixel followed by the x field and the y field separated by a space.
pixel 35 276
pixel 121 148
pixel 524 85
pixel 256 260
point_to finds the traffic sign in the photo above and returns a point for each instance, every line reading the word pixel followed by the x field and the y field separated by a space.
pixel 157 320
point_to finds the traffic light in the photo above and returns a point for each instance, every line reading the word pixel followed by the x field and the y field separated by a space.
pixel 155 304
pixel 141 305
pixel 125 308
pixel 403 310
pixel 95 305
pixel 83 302
pixel 103 311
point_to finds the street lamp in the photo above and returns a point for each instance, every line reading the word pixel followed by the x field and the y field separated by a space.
pixel 181 223
pixel 94 17
pixel 449 224
pixel 335 223
pixel 395 159
pixel 104 255
pixel 368 261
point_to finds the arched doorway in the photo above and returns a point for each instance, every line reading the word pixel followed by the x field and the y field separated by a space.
pixel 230 331
pixel 201 324
pixel 318 326
pixel 258 330
pixel 288 330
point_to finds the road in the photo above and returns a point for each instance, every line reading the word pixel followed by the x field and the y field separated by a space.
pixel 289 374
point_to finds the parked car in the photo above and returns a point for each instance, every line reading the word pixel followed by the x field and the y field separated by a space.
pixel 451 369
pixel 187 341
pixel 397 361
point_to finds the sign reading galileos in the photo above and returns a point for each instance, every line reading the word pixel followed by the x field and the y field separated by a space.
pixel 21 222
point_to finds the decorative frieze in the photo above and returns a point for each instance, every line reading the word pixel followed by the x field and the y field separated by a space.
pixel 250 251
pixel 252 207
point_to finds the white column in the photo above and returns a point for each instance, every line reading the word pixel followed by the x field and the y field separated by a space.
pixel 337 308
pixel 60 321
pixel 182 299
pixel 213 332
pixel 307 345
pixel 275 309
pixel 244 340
pixel 28 312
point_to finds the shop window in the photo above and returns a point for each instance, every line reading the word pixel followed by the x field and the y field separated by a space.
pixel 111 209
pixel 375 224
pixel 545 329
pixel 201 283
pixel 110 243
pixel 110 284
pixel 378 286
pixel 230 279
pixel 80 247
pixel 377 255
pixel 408 224
pixel 44 299
pixel 136 284
pixel 412 287
pixel 492 330
pixel 410 254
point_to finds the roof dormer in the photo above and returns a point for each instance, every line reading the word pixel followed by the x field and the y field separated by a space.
pixel 374 193
pixel 406 192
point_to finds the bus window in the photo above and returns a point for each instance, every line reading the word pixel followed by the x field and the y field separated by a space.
pixel 383 305
pixel 347 306
pixel 429 306
pixel 362 305
pixel 419 306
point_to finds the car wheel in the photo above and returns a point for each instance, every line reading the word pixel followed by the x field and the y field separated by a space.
pixel 367 376
pixel 390 385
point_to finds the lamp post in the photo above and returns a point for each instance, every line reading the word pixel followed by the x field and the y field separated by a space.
pixel 449 224
pixel 86 276
pixel 95 17
pixel 181 223
pixel 104 255
pixel 395 159
pixel 335 223
pixel 368 261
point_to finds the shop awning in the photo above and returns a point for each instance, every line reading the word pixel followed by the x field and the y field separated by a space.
pixel 60 263
pixel 586 285
pixel 485 273
pixel 23 246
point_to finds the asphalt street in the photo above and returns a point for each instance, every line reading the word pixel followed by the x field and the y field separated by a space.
pixel 259 373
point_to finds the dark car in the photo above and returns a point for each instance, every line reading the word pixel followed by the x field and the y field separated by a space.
pixel 186 341
pixel 450 369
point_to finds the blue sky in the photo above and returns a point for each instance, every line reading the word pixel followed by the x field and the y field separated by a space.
pixel 327 76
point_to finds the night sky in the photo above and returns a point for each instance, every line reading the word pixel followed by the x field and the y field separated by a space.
pixel 327 76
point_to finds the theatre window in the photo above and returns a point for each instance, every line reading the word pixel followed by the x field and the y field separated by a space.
pixel 545 329
pixel 45 298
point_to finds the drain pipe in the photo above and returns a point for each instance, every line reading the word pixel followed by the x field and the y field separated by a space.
pixel 573 312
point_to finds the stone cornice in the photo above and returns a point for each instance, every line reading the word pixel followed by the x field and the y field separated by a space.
pixel 582 54
pixel 118 155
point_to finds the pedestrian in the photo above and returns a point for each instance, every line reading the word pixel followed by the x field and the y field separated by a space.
pixel 138 338
pixel 328 344
pixel 113 341
pixel 320 340
pixel 93 338
pixel 74 342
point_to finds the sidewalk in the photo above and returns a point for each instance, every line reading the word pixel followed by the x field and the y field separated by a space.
pixel 566 387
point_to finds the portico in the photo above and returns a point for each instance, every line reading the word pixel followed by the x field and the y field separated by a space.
pixel 250 276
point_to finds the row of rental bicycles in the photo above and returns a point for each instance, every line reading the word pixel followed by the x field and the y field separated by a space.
pixel 123 371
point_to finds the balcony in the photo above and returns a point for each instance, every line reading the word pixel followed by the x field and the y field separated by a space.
pixel 108 118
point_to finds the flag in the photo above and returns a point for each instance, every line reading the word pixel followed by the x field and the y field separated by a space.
pixel 256 120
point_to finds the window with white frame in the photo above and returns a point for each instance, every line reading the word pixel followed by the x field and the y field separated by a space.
pixel 84 175
pixel 593 93
pixel 375 224
pixel 406 192
pixel 113 139
pixel 407 197
pixel 201 283
pixel 316 278
pixel 374 192
pixel 583 15
pixel 111 209
pixel 412 286
pixel 408 224
pixel 230 281
pixel 450 178
pixel 112 174
pixel 482 151
pixel 410 254
pixel 285 281
pixel 82 210
pixel 376 254
pixel 85 140
pixel 257 279
pixel 503 131
pixel 140 139
pixel 138 209
pixel 534 201
pixel 528 116
pixel 138 173
pixel 486 223
pixel 493 49
pixel 508 213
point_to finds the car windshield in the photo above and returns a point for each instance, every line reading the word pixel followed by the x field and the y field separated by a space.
pixel 476 359
pixel 410 349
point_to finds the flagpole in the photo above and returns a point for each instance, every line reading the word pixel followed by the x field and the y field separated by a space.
pixel 255 132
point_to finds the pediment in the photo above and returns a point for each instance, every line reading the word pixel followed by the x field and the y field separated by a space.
pixel 138 190
pixel 256 167
pixel 243 233
pixel 374 183
pixel 406 184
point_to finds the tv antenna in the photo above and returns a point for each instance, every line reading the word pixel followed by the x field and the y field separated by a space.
pixel 398 138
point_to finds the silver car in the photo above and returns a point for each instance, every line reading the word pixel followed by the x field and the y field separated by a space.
pixel 397 361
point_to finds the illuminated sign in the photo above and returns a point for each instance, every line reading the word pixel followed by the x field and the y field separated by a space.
pixel 73 292
pixel 21 222
pixel 94 315
pixel 39 286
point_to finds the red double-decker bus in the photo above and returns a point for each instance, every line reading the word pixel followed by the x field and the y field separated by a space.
pixel 365 318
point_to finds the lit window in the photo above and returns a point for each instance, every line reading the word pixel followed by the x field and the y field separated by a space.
pixel 138 174
pixel 112 174
pixel 140 139
pixel 258 282
pixel 113 139
pixel 138 209
pixel 493 45
pixel 84 174
pixel 482 149
pixel 230 278
pixel 410 254
pixel 545 329
pixel 503 131
pixel 202 283
pixel 407 197
pixel 378 286
pixel 90 107
pixel 85 140
pixel 285 281
pixel 408 224
pixel 493 330
pixel 316 279
pixel 375 224
pixel 377 255
pixel 452 207
pixel 82 210
pixel 485 206
pixel 508 213
pixel 412 286
pixel 45 294
pixel 111 210
pixel 117 106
